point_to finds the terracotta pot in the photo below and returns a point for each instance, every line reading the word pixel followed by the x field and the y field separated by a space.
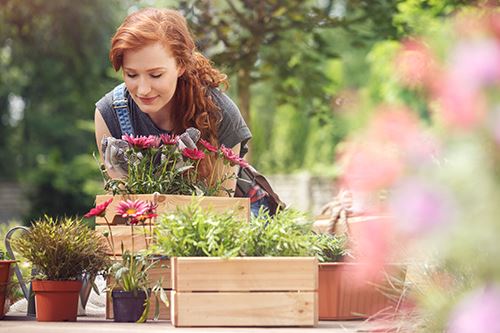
pixel 5 275
pixel 128 306
pixel 340 298
pixel 56 300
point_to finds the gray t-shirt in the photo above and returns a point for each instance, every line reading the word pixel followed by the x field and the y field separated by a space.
pixel 232 128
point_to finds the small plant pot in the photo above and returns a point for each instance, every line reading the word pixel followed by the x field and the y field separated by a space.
pixel 5 275
pixel 56 300
pixel 128 306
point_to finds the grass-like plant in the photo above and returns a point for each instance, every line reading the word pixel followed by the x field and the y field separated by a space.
pixel 63 249
pixel 195 232
pixel 192 231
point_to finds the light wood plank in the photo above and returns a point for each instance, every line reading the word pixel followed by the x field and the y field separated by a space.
pixel 123 233
pixel 245 274
pixel 244 309
pixel 168 203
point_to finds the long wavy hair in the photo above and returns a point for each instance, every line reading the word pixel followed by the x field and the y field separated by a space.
pixel 193 104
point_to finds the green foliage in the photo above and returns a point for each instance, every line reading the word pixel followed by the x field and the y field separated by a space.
pixel 192 231
pixel 63 249
pixel 286 234
pixel 53 57
pixel 331 248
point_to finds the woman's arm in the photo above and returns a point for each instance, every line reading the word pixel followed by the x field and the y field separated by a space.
pixel 102 131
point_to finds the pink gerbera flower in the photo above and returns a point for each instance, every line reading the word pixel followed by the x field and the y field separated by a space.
pixel 99 210
pixel 232 158
pixel 208 146
pixel 194 154
pixel 168 139
pixel 142 142
pixel 132 209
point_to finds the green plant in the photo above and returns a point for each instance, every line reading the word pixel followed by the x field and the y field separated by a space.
pixel 63 249
pixel 192 231
pixel 288 233
pixel 330 248
pixel 131 274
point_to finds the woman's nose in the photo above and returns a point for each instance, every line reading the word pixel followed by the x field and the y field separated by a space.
pixel 143 87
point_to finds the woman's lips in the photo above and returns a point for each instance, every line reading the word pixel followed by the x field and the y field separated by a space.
pixel 149 100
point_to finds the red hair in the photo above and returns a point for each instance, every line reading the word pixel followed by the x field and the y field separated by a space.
pixel 193 104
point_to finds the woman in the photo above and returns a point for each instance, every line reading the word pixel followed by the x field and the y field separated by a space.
pixel 169 86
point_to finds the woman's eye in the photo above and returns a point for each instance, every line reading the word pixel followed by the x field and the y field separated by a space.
pixel 131 75
pixel 155 76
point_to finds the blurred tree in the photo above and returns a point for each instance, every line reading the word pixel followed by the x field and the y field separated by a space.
pixel 53 59
pixel 266 39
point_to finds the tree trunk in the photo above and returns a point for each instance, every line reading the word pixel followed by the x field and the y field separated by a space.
pixel 244 83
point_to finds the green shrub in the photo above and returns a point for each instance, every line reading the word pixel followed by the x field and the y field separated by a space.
pixel 63 249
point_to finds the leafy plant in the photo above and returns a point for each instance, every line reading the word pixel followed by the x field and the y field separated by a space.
pixel 330 248
pixel 63 249
pixel 131 274
pixel 191 231
pixel 288 233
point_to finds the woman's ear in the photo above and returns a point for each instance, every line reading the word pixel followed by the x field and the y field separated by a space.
pixel 180 71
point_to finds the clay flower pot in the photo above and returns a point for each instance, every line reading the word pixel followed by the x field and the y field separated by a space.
pixel 128 306
pixel 56 300
pixel 5 274
pixel 342 299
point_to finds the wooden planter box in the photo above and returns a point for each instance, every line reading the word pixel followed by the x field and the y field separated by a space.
pixel 250 291
pixel 166 203
pixel 341 299
pixel 161 269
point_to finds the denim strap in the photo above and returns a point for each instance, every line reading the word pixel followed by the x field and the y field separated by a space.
pixel 120 105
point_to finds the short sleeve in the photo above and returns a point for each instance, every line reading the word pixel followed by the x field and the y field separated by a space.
pixel 232 129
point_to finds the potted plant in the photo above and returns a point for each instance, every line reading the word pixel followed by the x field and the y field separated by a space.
pixel 5 276
pixel 61 251
pixel 130 288
pixel 165 170
pixel 226 272
pixel 342 296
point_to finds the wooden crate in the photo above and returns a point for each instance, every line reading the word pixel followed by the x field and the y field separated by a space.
pixel 342 299
pixel 251 291
pixel 161 269
pixel 166 203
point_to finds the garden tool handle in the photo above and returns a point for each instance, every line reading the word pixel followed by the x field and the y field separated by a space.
pixel 8 247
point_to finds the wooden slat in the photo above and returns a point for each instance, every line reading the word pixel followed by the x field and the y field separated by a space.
pixel 245 274
pixel 168 203
pixel 164 310
pixel 244 309
pixel 122 233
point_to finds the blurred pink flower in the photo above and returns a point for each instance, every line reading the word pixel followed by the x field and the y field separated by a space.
pixel 420 207
pixel 193 154
pixel 401 127
pixel 415 63
pixel 208 146
pixel 476 62
pixel 371 166
pixel 477 312
pixel 373 246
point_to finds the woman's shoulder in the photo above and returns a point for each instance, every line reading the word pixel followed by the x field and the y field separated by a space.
pixel 232 128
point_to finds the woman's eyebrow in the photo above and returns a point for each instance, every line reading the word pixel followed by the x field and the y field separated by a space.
pixel 147 70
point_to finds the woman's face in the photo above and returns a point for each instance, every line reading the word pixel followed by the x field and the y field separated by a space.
pixel 150 74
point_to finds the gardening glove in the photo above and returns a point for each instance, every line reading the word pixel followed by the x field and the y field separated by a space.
pixel 113 152
pixel 189 138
